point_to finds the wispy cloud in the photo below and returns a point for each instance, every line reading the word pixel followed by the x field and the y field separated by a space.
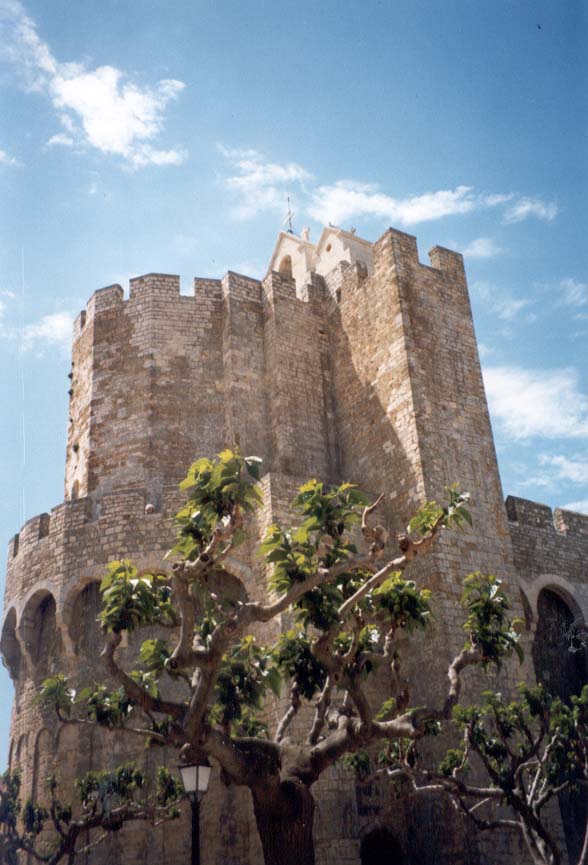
pixel 101 108
pixel 574 470
pixel 347 199
pixel 500 198
pixel 555 470
pixel 51 330
pixel 574 293
pixel 260 185
pixel 580 507
pixel 482 247
pixel 526 404
pixel 500 303
pixel 525 207
pixel 11 161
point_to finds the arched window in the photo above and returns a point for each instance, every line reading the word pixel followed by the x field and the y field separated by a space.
pixel 286 265
pixel 561 667
pixel 9 646
pixel 381 847
pixel 40 632
pixel 84 629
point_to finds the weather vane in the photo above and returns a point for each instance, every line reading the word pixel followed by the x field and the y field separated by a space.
pixel 289 218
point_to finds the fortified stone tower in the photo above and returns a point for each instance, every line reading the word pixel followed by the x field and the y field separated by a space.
pixel 349 361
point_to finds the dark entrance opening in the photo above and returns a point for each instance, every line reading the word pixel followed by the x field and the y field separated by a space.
pixel 381 847
pixel 561 666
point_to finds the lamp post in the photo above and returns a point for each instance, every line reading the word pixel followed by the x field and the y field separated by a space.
pixel 195 778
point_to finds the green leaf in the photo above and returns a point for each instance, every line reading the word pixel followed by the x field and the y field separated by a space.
pixel 274 680
pixel 56 693
pixel 386 709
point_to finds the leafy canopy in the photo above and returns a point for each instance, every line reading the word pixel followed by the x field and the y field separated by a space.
pixel 218 492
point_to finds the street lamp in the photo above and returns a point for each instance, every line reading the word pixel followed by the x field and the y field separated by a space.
pixel 195 780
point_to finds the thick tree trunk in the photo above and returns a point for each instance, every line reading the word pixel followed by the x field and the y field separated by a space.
pixel 284 815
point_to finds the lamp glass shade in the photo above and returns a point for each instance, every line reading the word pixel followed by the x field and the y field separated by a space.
pixel 203 778
pixel 195 779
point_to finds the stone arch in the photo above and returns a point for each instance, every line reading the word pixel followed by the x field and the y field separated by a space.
pixel 286 265
pixel 561 665
pixel 39 631
pixel 21 764
pixel 380 846
pixel 562 668
pixel 82 614
pixel 69 595
pixel 42 764
pixel 9 645
pixel 557 584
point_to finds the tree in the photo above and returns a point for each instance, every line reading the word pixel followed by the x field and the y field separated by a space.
pixel 529 750
pixel 347 608
pixel 107 801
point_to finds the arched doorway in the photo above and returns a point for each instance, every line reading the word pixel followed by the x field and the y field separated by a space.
pixel 381 847
pixel 561 666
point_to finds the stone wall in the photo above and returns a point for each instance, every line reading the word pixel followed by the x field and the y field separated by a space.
pixel 550 552
pixel 372 377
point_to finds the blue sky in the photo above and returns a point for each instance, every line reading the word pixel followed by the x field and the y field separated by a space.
pixel 144 136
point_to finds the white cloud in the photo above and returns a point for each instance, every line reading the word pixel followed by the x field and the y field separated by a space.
pixel 573 470
pixel 54 329
pixel 525 207
pixel 507 308
pixel 580 507
pixel 574 293
pixel 536 403
pixel 6 159
pixel 260 185
pixel 493 200
pixel 100 107
pixel 348 198
pixel 61 139
pixel 482 247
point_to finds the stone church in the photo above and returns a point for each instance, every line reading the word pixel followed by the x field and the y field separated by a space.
pixel 350 360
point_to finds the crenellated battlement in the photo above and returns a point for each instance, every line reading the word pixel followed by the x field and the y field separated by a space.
pixel 104 299
pixel 550 547
pixel 162 287
pixel 537 516
pixel 164 291
pixel 87 535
